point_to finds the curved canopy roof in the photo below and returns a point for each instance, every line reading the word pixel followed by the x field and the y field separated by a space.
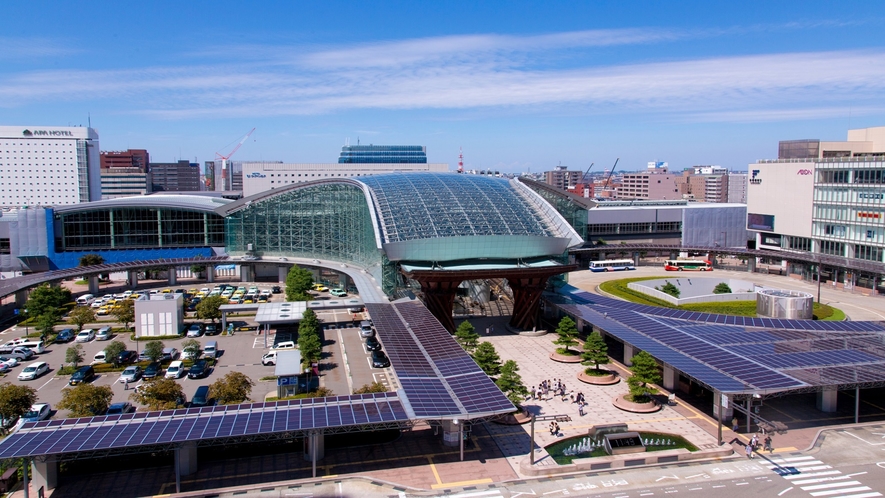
pixel 162 201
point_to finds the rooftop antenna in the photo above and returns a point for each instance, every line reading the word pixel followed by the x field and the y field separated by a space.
pixel 460 160
pixel 357 140
pixel 89 119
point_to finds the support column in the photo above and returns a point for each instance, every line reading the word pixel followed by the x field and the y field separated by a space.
pixel 93 284
pixel 187 459
pixel 628 355
pixel 826 400
pixel 451 432
pixel 210 273
pixel 636 259
pixel 132 276
pixel 245 273
pixel 726 409
pixel 282 273
pixel 670 378
pixel 314 447
pixel 751 264
pixel 526 299
pixel 439 297
pixel 173 276
pixel 21 298
pixel 45 474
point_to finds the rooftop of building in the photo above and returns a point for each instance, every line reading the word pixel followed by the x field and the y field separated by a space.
pixel 171 201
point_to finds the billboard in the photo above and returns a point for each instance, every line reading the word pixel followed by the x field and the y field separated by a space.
pixel 760 221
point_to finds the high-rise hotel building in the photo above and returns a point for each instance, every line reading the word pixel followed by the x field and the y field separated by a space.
pixel 48 166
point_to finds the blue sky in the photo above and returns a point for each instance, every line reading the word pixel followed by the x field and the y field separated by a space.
pixel 519 85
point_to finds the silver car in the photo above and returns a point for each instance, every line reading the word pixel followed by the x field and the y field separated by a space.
pixel 131 374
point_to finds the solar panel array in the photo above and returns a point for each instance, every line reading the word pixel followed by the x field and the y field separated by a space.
pixel 741 354
pixel 437 376
pixel 55 437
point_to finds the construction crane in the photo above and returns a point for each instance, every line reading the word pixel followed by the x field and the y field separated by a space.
pixel 610 173
pixel 225 182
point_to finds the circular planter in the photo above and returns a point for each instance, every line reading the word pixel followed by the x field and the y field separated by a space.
pixel 564 358
pixel 629 406
pixel 599 380
pixel 519 418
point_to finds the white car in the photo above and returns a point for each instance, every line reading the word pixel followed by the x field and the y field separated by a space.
pixel 38 412
pixel 195 330
pixel 9 361
pixel 175 370
pixel 85 336
pixel 34 370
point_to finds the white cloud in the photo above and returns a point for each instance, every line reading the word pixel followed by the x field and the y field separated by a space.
pixel 27 48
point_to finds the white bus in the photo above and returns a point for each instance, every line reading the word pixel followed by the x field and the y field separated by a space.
pixel 688 265
pixel 612 265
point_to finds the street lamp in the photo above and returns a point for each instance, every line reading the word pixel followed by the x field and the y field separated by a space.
pixel 557 418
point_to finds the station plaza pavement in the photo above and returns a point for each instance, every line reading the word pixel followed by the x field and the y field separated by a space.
pixel 418 461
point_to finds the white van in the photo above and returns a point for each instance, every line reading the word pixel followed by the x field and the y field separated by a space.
pixel 285 345
pixel 175 369
pixel 85 300
pixel 99 358
pixel 36 346
pixel 210 350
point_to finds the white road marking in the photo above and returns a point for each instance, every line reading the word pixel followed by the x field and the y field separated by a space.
pixel 840 491
pixel 784 491
pixel 46 384
pixel 831 485
pixel 864 440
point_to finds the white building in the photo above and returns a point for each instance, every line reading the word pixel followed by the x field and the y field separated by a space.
pixel 263 176
pixel 48 166
pixel 159 314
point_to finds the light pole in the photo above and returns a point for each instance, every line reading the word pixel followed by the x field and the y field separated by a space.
pixel 557 418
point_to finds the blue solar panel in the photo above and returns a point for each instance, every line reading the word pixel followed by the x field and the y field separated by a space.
pixel 817 358
pixel 429 397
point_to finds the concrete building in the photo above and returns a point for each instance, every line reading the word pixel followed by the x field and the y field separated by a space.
pixel 159 314
pixel 259 177
pixel 48 166
pixel 131 158
pixel 562 178
pixel 122 182
pixel 829 202
pixel 182 176
pixel 704 184
pixel 654 184
pixel 737 188
pixel 381 154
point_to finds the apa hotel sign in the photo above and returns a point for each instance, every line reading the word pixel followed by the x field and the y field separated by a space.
pixel 47 133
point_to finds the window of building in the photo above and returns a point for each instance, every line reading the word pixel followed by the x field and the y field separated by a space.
pixel 832 248
pixel 868 252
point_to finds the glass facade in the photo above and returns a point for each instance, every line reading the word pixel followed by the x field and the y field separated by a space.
pixel 575 214
pixel 849 208
pixel 325 221
pixel 129 228
pixel 798 149
pixel 382 154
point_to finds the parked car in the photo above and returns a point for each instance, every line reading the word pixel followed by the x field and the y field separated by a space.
pixel 372 344
pixel 212 329
pixel 17 352
pixel 198 370
pixel 131 374
pixel 120 408
pixel 195 330
pixel 83 374
pixel 379 359
pixel 86 335
pixel 9 361
pixel 175 370
pixel 366 329
pixel 37 412
pixel 104 334
pixel 338 292
pixel 4 368
pixel 169 354
pixel 152 370
pixel 276 289
pixel 34 370
pixel 65 335
pixel 191 354
pixel 127 357
pixel 320 288
pixel 201 397
pixel 269 358
pixel 100 357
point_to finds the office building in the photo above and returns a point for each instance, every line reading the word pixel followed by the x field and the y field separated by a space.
pixel 122 182
pixel 737 188
pixel 132 158
pixel 48 166
pixel 562 178
pixel 704 184
pixel 183 176
pixel 383 154
pixel 654 184
pixel 830 202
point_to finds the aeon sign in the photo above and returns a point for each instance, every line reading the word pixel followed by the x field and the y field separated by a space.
pixel 804 172
pixel 255 175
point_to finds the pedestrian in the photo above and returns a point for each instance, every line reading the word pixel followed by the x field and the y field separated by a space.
pixel 125 384
pixel 767 446
pixel 581 409
pixel 552 428
pixel 555 429
pixel 749 450
pixel 534 392
pixel 734 424
pixel 754 441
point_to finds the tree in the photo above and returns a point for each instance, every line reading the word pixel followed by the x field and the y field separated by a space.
pixel 645 371
pixel 669 288
pixel 231 389
pixel 309 321
pixel 112 351
pixel 154 350
pixel 595 351
pixel 15 401
pixel 191 346
pixel 510 383
pixel 487 358
pixel 91 260
pixel 466 336
pixel 310 347
pixel 86 400
pixel 74 355
pixel 125 312
pixel 160 394
pixel 298 282
pixel 568 333
pixel 81 315
pixel 46 324
pixel 374 387
pixel 210 308
pixel 47 299
pixel 722 288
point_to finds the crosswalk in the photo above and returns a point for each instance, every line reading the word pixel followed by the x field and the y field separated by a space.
pixel 818 478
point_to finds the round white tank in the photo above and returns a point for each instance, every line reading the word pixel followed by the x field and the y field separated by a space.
pixel 779 303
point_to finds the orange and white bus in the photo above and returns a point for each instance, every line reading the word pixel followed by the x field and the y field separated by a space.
pixel 688 265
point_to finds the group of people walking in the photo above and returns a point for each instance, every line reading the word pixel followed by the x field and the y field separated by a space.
pixel 753 445
pixel 549 389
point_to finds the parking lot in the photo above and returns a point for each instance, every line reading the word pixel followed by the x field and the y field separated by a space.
pixel 345 364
